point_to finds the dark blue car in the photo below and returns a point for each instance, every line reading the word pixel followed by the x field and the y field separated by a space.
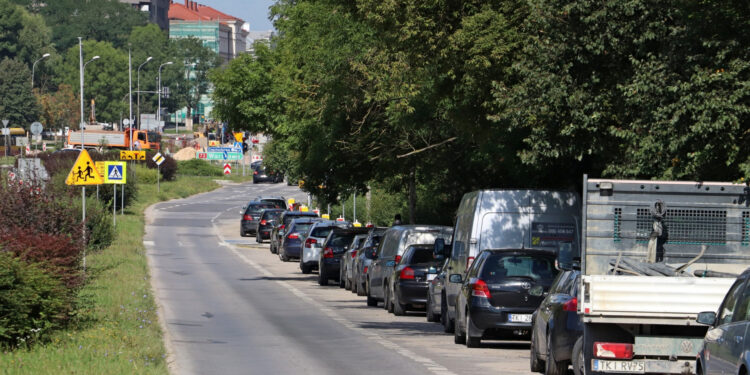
pixel 291 241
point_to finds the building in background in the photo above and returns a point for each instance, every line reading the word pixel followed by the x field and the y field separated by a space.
pixel 158 10
pixel 253 36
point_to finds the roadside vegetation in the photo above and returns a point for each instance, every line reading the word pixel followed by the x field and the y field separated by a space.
pixel 54 318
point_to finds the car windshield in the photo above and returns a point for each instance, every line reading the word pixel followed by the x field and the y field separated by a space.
pixel 154 137
pixel 369 253
pixel 419 255
pixel 503 266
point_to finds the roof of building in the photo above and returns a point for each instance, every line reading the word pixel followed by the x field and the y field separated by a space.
pixel 192 11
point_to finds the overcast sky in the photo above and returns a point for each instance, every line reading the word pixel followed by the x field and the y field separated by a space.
pixel 254 12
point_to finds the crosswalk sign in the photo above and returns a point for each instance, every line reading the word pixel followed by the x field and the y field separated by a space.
pixel 115 172
pixel 84 171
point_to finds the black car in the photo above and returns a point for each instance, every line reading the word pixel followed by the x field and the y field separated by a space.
pixel 494 301
pixel 279 228
pixel 261 174
pixel 292 240
pixel 251 217
pixel 556 325
pixel 280 201
pixel 268 218
pixel 410 279
pixel 335 245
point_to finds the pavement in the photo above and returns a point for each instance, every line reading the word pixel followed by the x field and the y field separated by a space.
pixel 229 306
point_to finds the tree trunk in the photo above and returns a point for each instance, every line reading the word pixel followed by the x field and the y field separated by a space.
pixel 413 196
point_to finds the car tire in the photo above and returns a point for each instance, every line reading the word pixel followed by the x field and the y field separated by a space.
pixel 535 364
pixel 471 341
pixel 283 257
pixel 305 269
pixel 371 301
pixel 342 282
pixel 258 238
pixel 242 234
pixel 347 282
pixel 399 309
pixel 389 300
pixel 274 249
pixel 353 287
pixel 361 291
pixel 459 337
pixel 322 277
pixel 430 312
pixel 577 357
pixel 448 324
pixel 553 367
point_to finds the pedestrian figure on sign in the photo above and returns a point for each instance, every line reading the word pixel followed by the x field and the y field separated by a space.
pixel 397 220
pixel 88 171
pixel 79 174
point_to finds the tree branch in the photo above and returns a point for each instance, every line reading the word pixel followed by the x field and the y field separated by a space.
pixel 426 148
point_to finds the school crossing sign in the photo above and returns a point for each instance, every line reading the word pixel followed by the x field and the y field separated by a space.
pixel 115 172
pixel 84 171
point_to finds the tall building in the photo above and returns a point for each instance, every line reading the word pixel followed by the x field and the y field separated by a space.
pixel 158 10
pixel 219 31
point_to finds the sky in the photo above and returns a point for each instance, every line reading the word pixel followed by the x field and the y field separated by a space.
pixel 254 12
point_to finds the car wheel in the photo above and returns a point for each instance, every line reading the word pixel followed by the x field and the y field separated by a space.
pixel 258 238
pixel 430 312
pixel 274 249
pixel 283 257
pixel 536 364
pixel 458 335
pixel 448 326
pixel 371 301
pixel 361 290
pixel 471 341
pixel 353 287
pixel 553 367
pixel 322 277
pixel 242 234
pixel 399 309
pixel 388 300
pixel 305 269
pixel 347 282
pixel 577 357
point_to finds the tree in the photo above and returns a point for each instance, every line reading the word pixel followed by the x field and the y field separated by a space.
pixel 59 109
pixel 17 104
pixel 198 60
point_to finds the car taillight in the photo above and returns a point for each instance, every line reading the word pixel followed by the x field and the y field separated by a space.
pixel 479 289
pixel 263 222
pixel 397 258
pixel 364 270
pixel 255 172
pixel 354 254
pixel 282 226
pixel 571 305
pixel 327 252
pixel 613 350
pixel 406 274
pixel 247 218
pixel 310 241
pixel 469 260
pixel 294 236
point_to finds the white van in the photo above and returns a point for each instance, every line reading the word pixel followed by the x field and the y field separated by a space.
pixel 507 219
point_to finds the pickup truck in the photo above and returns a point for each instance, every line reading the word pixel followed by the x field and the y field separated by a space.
pixel 654 255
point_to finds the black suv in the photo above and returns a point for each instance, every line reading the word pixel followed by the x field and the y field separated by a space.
pixel 336 244
pixel 251 216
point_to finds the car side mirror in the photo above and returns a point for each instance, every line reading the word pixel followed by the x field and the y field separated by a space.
pixel 536 291
pixel 707 317
pixel 455 278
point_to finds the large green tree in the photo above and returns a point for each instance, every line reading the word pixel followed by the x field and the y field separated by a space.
pixel 17 104
pixel 194 62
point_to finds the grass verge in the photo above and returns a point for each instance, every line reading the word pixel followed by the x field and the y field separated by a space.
pixel 115 330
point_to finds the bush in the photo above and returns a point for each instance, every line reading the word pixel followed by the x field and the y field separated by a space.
pixel 197 167
pixel 58 254
pixel 168 168
pixel 99 230
pixel 31 302
pixel 144 175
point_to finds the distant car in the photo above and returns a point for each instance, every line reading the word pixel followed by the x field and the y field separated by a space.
pixel 251 216
pixel 268 218
pixel 261 174
pixel 334 246
pixel 410 279
pixel 291 242
pixel 313 243
pixel 495 300
pixel 363 260
pixel 347 261
pixel 279 229
pixel 727 342
pixel 556 325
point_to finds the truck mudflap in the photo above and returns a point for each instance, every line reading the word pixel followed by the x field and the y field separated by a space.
pixel 644 366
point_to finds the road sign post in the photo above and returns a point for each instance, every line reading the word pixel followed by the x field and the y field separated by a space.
pixel 158 159
pixel 36 129
pixel 227 169
pixel 83 173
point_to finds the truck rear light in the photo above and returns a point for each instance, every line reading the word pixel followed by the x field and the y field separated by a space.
pixel 406 274
pixel 571 305
pixel 397 258
pixel 309 242
pixel 328 253
pixel 293 236
pixel 469 260
pixel 479 289
pixel 613 350
pixel 247 217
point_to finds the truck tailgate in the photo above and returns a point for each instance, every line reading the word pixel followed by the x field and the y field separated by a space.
pixel 650 299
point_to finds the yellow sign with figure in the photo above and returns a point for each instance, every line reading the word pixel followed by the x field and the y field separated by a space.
pixel 132 155
pixel 84 171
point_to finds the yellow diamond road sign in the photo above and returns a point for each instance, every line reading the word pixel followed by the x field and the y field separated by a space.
pixel 84 171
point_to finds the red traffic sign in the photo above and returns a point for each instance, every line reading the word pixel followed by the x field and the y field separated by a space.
pixel 227 168
pixel 339 218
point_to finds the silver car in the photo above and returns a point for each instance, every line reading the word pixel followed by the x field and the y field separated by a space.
pixel 313 243
pixel 346 272
pixel 362 261
pixel 727 344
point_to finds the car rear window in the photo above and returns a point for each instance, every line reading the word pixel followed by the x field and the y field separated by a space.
pixel 321 231
pixel 254 208
pixel 340 240
pixel 301 227
pixel 278 202
pixel 502 266
pixel 419 255
pixel 272 215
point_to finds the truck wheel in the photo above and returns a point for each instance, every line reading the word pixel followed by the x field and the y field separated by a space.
pixel 536 364
pixel 553 367
pixel 577 357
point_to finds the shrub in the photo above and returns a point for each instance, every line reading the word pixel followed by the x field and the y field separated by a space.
pixel 99 230
pixel 197 167
pixel 58 254
pixel 32 302
pixel 168 168
pixel 144 175
pixel 35 208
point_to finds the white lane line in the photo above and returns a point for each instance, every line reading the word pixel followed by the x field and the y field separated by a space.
pixel 148 243
pixel 431 365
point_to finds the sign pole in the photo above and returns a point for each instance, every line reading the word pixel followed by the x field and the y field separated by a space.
pixel 158 178
pixel 114 206
pixel 122 203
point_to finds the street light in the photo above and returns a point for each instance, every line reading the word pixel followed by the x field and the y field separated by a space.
pixel 83 74
pixel 138 78
pixel 33 66
pixel 158 112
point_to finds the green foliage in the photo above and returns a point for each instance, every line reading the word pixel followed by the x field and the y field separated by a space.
pixel 145 175
pixel 32 302
pixel 198 60
pixel 99 230
pixel 197 167
pixel 17 104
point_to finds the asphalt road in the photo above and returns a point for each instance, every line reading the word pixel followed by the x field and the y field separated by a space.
pixel 229 306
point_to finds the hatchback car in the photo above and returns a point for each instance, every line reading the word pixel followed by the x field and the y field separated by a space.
pixel 362 260
pixel 313 243
pixel 280 201
pixel 261 174
pixel 251 217
pixel 347 261
pixel 494 301
pixel 556 325
pixel 726 344
pixel 279 229
pixel 334 246
pixel 268 219
pixel 291 241
pixel 410 279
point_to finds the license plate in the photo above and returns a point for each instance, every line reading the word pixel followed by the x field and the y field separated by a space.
pixel 632 367
pixel 431 277
pixel 519 318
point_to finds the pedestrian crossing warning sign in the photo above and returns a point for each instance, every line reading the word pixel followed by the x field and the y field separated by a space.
pixel 115 172
pixel 84 171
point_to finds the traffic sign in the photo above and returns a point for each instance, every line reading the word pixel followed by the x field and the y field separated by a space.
pixel 115 172
pixel 227 168
pixel 221 149
pixel 84 171
pixel 132 155
pixel 237 146
pixel 5 123
pixel 158 158
pixel 218 155
pixel 100 168
pixel 36 128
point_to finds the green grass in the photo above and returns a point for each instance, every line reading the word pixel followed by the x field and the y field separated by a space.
pixel 116 330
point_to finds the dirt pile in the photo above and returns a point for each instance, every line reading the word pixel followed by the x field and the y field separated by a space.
pixel 186 153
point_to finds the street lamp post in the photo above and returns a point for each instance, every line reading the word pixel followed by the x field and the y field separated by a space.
pixel 33 66
pixel 82 68
pixel 158 112
pixel 138 109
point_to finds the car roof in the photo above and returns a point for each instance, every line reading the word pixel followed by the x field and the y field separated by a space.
pixel 542 252
pixel 346 231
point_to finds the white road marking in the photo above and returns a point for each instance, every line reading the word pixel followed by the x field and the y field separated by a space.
pixel 148 243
